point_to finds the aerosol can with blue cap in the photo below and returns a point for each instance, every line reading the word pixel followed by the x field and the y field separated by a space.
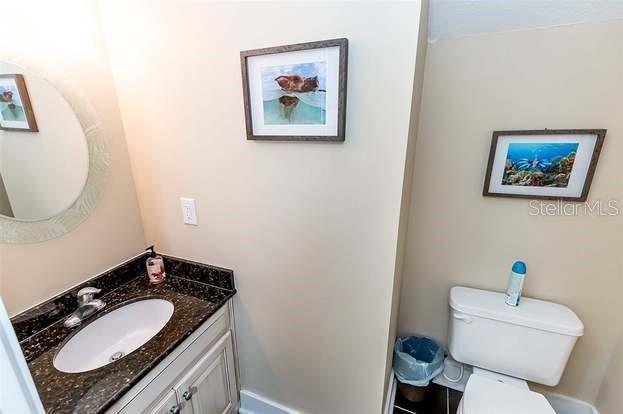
pixel 515 283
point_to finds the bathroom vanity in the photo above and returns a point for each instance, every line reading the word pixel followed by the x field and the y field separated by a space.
pixel 188 366
pixel 198 377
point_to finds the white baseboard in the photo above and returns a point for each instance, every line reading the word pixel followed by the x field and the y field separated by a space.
pixel 251 403
pixel 390 394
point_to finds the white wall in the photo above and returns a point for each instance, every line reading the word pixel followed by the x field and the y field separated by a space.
pixel 564 77
pixel 44 172
pixel 310 229
pixel 66 35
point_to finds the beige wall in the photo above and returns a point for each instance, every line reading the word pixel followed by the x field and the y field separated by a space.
pixel 66 35
pixel 610 398
pixel 309 228
pixel 563 77
pixel 405 204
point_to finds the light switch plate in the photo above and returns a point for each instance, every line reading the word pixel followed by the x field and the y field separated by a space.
pixel 189 210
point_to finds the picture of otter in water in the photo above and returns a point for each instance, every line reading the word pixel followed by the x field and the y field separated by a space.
pixel 295 94
pixel 11 109
pixel 296 83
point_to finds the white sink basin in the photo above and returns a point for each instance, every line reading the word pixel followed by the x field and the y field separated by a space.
pixel 114 335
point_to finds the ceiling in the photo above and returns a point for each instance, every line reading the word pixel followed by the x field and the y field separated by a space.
pixel 455 18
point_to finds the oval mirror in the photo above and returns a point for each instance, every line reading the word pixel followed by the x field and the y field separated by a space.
pixel 53 158
pixel 44 157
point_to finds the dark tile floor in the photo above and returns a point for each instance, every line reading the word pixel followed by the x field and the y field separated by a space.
pixel 439 400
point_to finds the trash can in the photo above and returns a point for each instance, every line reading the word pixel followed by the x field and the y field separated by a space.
pixel 417 360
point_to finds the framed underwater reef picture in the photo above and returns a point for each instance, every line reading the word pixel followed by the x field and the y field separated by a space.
pixel 296 92
pixel 551 164
pixel 15 109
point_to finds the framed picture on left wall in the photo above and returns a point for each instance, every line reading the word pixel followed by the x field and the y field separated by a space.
pixel 15 108
pixel 296 92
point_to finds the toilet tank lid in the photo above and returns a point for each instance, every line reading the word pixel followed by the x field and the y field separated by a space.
pixel 533 313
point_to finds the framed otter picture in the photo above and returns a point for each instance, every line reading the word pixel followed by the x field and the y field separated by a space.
pixel 550 164
pixel 296 92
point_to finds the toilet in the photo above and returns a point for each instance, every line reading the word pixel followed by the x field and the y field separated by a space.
pixel 508 346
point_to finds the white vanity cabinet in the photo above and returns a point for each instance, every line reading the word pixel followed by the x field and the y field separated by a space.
pixel 209 386
pixel 199 377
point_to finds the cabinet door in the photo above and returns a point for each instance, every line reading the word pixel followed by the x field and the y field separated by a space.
pixel 209 386
pixel 167 405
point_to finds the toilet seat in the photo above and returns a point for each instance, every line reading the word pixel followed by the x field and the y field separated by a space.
pixel 485 395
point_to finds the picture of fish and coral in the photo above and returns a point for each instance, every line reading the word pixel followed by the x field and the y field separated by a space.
pixel 539 164
pixel 295 94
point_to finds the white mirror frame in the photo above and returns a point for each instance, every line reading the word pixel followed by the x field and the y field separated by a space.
pixel 28 231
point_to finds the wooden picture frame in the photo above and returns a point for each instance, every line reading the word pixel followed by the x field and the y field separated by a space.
pixel 16 113
pixel 560 166
pixel 279 83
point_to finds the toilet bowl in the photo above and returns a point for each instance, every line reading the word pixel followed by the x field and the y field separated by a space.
pixel 506 346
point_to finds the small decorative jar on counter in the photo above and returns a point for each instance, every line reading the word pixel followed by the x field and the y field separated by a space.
pixel 155 267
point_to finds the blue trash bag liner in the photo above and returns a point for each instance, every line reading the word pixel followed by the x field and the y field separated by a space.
pixel 417 360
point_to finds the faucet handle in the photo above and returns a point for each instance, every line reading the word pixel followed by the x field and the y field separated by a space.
pixel 85 295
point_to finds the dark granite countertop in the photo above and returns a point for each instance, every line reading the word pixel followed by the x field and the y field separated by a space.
pixel 96 390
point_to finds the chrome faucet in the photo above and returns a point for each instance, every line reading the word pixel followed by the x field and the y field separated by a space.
pixel 87 306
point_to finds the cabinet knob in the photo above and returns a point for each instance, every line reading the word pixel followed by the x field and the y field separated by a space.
pixel 187 395
pixel 176 409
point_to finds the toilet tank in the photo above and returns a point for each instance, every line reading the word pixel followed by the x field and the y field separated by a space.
pixel 532 341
